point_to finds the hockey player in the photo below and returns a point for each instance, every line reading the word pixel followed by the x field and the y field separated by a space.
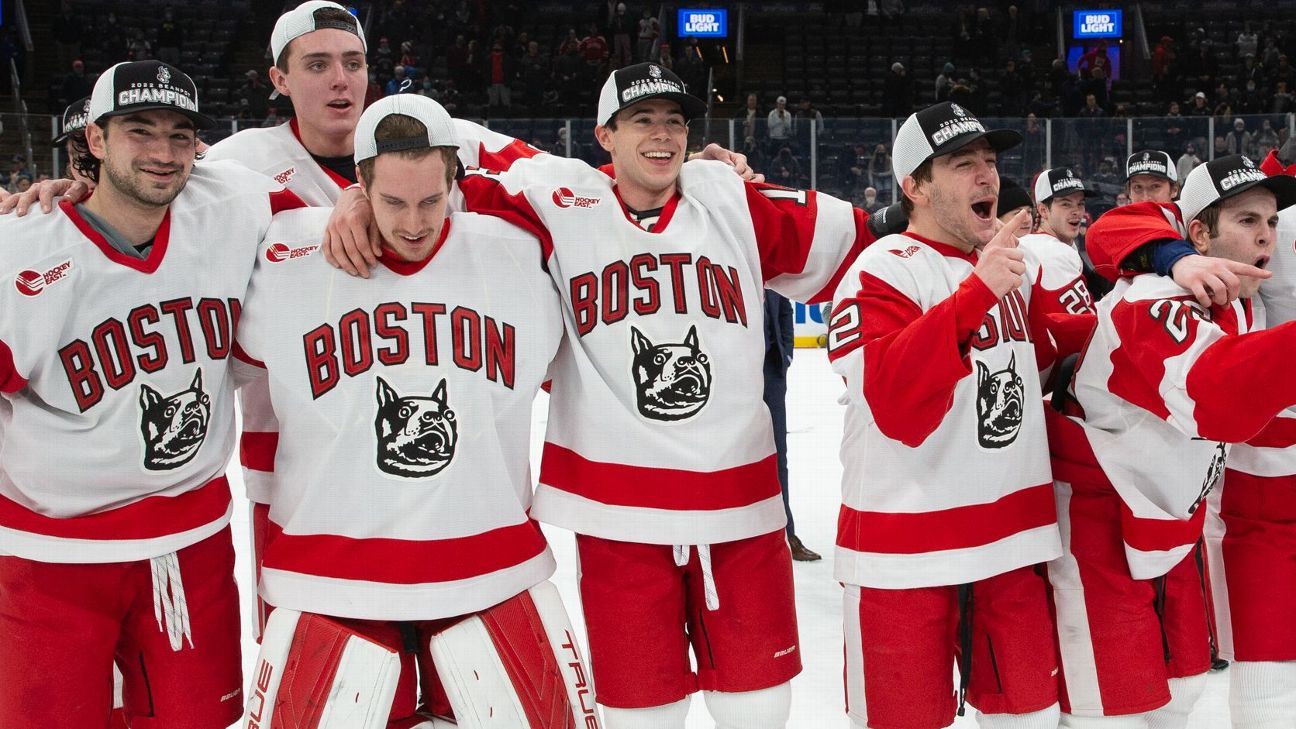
pixel 659 452
pixel 1060 204
pixel 940 337
pixel 1149 427
pixel 117 422
pixel 1151 176
pixel 72 138
pixel 423 380
pixel 1013 198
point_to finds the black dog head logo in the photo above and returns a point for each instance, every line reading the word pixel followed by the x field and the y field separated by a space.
pixel 1213 473
pixel 174 427
pixel 416 435
pixel 1000 404
pixel 672 381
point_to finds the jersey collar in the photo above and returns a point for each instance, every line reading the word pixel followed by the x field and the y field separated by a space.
pixel 339 180
pixel 147 264
pixel 409 268
pixel 945 249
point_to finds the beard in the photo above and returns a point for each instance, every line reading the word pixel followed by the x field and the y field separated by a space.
pixel 955 217
pixel 131 183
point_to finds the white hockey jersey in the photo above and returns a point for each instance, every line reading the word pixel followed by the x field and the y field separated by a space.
pixel 657 432
pixel 1164 389
pixel 278 153
pixel 946 474
pixel 117 416
pixel 1061 287
pixel 404 401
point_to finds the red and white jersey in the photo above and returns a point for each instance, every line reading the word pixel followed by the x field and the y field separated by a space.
pixel 278 153
pixel 118 415
pixel 1061 286
pixel 657 432
pixel 945 463
pixel 1160 393
pixel 402 482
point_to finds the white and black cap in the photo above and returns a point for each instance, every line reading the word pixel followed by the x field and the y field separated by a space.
pixel 75 118
pixel 632 84
pixel 136 86
pixel 939 130
pixel 1151 162
pixel 305 19
pixel 1059 181
pixel 1224 177
pixel 440 129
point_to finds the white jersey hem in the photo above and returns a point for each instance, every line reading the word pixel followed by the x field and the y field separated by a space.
pixel 656 526
pixel 45 548
pixel 947 567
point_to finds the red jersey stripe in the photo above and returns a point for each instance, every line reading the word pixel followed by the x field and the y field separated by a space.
pixel 149 518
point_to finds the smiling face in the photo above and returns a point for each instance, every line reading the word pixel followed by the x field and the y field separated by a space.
pixel 1151 188
pixel 325 75
pixel 647 143
pixel 146 157
pixel 1062 216
pixel 957 205
pixel 1246 231
pixel 409 197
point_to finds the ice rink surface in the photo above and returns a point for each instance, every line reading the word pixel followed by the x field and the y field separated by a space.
pixel 814 434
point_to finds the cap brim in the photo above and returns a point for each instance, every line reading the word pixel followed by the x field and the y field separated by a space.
pixel 60 139
pixel 999 139
pixel 200 120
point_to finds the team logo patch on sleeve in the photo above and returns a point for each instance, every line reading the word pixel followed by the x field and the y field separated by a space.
pixel 280 252
pixel 1000 404
pixel 563 197
pixel 32 283
pixel 416 435
pixel 672 381
pixel 173 427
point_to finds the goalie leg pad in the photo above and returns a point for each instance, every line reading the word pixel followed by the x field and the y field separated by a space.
pixel 314 673
pixel 516 664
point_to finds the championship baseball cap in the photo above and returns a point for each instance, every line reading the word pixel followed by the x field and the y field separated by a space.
pixel 1224 177
pixel 440 130
pixel 75 118
pixel 1011 196
pixel 1151 162
pixel 1059 181
pixel 305 19
pixel 632 84
pixel 939 130
pixel 145 86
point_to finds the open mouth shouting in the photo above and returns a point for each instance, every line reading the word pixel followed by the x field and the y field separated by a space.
pixel 984 209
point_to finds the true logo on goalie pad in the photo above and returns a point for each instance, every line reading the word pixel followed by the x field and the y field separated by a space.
pixel 1000 404
pixel 416 435
pixel 174 427
pixel 672 381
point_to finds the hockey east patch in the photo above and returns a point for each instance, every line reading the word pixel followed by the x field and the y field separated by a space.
pixel 672 380
pixel 1000 404
pixel 416 435
pixel 174 427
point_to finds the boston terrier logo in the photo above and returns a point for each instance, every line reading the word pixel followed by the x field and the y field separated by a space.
pixel 673 381
pixel 999 404
pixel 416 435
pixel 174 427
pixel 1213 473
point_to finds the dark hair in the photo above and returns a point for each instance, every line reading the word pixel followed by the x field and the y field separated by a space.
pixel 1209 217
pixel 921 174
pixel 400 126
pixel 87 164
pixel 326 17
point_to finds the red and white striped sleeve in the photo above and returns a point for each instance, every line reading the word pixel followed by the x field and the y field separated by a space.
pixel 499 194
pixel 883 344
pixel 807 240
pixel 1120 231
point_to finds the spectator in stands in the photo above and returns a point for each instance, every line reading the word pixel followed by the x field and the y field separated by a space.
pixel 1270 53
pixel 569 72
pixel 1187 161
pixel 1251 101
pixel 785 169
pixel 457 59
pixel 1096 86
pixel 1011 89
pixel 880 174
pixel 898 92
pixel 1220 146
pixel 427 88
pixel 748 118
pixel 1199 107
pixel 1122 199
pixel 571 42
pixel 23 183
pixel 594 48
pixel 255 92
pixel 68 35
pixel 1239 139
pixel 808 116
pixel 170 37
pixel 1033 146
pixel 535 74
pixel 1252 70
pixel 75 84
pixel 945 82
pixel 1264 140
pixel 374 90
pixel 649 30
pixel 622 27
pixel 1282 73
pixel 1282 99
pixel 692 68
pixel 384 61
pixel 870 202
pixel 1247 42
pixel 1165 71
pixel 778 125
pixel 397 84
pixel 408 58
pixel 500 71
pixel 271 119
pixel 1094 57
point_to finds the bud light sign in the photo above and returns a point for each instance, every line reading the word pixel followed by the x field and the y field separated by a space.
pixel 1097 24
pixel 704 23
